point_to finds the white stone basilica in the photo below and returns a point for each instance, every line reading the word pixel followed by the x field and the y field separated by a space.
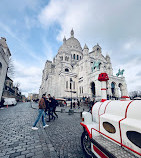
pixel 74 71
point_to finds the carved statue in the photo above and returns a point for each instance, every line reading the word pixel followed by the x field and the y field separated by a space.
pixel 120 72
pixel 96 64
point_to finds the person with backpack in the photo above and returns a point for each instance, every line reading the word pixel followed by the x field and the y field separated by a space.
pixel 41 109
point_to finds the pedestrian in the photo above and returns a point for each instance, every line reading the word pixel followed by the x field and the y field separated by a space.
pixel 41 113
pixel 91 104
pixel 51 104
pixel 55 104
pixel 73 104
pixel 47 107
pixel 78 103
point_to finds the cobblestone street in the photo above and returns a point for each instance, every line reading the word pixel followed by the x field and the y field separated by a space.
pixel 17 139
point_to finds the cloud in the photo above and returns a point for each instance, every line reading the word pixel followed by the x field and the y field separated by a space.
pixel 93 18
pixel 132 73
pixel 28 77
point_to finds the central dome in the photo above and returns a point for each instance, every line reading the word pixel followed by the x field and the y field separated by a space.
pixel 70 44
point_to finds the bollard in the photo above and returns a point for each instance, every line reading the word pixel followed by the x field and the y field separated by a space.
pixel 71 112
pixel 62 110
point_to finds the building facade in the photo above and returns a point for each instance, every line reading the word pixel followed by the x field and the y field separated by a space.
pixel 10 91
pixel 74 73
pixel 4 60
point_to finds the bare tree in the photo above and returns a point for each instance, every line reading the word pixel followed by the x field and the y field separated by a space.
pixel 17 84
pixel 11 69
pixel 134 94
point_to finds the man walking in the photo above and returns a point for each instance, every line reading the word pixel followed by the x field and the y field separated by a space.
pixel 41 109
pixel 51 102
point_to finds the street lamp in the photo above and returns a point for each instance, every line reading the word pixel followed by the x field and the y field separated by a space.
pixel 71 90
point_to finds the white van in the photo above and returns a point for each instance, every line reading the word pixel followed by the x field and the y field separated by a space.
pixel 10 101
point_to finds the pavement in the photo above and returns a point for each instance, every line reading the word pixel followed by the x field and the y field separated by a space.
pixel 62 139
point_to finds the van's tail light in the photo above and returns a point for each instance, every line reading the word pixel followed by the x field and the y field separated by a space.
pixel 83 119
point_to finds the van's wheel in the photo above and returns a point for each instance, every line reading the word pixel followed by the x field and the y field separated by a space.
pixel 86 145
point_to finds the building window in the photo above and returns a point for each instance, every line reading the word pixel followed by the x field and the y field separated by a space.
pixel 73 85
pixel 77 57
pixel 70 85
pixel 73 56
pixel 82 89
pixel 66 70
pixel 80 57
pixel 61 58
pixel 66 84
pixel 66 58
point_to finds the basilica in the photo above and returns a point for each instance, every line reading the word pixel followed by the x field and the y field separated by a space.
pixel 74 73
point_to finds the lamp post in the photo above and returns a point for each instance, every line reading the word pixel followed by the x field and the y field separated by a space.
pixel 71 90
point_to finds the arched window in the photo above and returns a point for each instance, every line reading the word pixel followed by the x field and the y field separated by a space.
pixel 0 68
pixel 66 84
pixel 120 89
pixel 113 88
pixel 93 89
pixel 77 57
pixel 70 85
pixel 66 70
pixel 73 56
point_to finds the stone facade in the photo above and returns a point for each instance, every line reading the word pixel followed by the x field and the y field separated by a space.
pixel 4 59
pixel 74 71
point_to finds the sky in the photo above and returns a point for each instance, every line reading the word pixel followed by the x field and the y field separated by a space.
pixel 34 30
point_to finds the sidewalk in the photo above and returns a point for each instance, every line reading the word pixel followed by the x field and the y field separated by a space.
pixel 58 109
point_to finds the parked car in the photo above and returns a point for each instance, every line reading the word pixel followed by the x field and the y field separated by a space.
pixel 10 101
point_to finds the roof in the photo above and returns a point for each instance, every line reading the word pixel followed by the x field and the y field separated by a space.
pixel 8 78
